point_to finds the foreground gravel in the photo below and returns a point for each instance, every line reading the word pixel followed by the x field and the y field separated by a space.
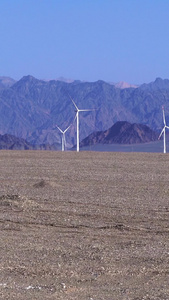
pixel 84 226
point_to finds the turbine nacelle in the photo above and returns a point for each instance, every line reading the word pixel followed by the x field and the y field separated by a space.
pixel 77 118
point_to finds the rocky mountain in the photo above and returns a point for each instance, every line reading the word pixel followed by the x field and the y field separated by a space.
pixel 10 142
pixel 121 132
pixel 30 108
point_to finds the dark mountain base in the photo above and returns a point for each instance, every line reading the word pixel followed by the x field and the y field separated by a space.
pixel 122 133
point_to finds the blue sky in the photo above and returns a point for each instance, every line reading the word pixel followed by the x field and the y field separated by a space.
pixel 112 40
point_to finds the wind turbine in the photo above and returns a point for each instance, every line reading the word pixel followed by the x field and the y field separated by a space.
pixel 63 136
pixel 163 130
pixel 77 117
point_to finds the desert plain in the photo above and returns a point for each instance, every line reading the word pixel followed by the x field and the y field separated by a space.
pixel 84 226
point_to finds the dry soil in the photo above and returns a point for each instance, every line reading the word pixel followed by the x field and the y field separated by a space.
pixel 84 226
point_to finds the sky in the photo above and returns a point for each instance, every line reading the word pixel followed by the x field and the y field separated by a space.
pixel 90 40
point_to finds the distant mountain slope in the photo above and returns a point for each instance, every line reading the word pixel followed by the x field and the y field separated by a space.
pixel 31 108
pixel 121 133
pixel 10 142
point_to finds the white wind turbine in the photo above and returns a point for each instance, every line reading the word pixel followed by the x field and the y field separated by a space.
pixel 77 117
pixel 163 130
pixel 63 136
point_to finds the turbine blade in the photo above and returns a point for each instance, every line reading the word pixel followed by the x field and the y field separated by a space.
pixel 75 117
pixel 59 129
pixel 67 128
pixel 161 133
pixel 86 109
pixel 74 103
pixel 163 116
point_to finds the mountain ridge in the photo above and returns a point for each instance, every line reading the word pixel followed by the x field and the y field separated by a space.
pixel 30 108
pixel 10 142
pixel 121 132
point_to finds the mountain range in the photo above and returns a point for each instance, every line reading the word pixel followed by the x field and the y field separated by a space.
pixel 121 132
pixel 31 108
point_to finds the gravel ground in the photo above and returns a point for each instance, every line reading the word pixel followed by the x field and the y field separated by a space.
pixel 84 226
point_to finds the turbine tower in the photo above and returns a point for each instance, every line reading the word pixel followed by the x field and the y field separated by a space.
pixel 63 136
pixel 163 130
pixel 77 117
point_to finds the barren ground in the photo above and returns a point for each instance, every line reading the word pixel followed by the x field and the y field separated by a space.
pixel 84 226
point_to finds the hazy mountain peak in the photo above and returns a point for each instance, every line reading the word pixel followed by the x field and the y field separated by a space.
pixel 125 85
pixel 158 80
pixel 158 84
pixel 68 80
pixel 25 82
pixel 28 78
pixel 6 81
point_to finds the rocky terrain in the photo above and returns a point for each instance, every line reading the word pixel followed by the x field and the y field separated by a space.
pixel 88 226
pixel 122 133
